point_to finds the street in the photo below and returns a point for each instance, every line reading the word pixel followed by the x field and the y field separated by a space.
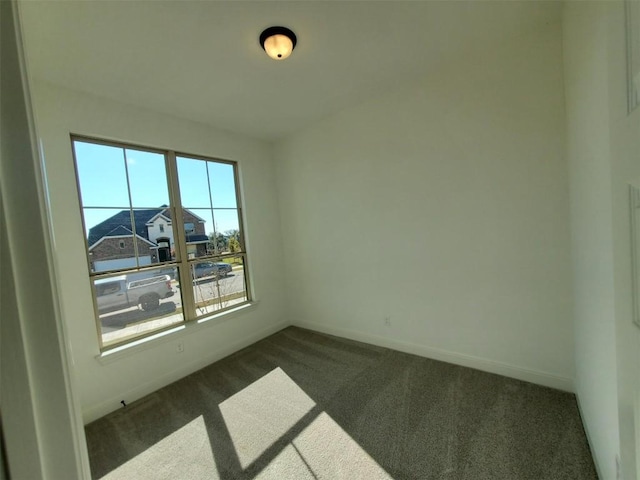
pixel 210 295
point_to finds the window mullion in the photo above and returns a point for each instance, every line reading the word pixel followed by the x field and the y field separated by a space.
pixel 180 241
pixel 213 217
pixel 241 239
pixel 131 214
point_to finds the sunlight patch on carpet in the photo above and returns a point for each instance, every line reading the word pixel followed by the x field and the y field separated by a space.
pixel 287 464
pixel 267 410
pixel 185 454
pixel 260 414
pixel 331 453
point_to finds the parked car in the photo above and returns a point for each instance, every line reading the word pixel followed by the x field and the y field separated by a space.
pixel 210 269
pixel 119 292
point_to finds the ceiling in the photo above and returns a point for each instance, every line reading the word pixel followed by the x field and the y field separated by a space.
pixel 201 59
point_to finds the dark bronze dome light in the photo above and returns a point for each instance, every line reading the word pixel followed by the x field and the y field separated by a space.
pixel 278 42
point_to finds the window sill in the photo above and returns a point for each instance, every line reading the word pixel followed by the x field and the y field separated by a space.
pixel 136 346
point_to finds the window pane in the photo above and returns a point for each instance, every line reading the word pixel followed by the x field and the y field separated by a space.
pixel 194 186
pixel 147 179
pixel 156 225
pixel 218 284
pixel 197 222
pixel 137 303
pixel 109 238
pixel 222 184
pixel 154 245
pixel 101 175
pixel 228 224
pixel 97 221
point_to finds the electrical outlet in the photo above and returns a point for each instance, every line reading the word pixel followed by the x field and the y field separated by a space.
pixel 387 321
pixel 180 347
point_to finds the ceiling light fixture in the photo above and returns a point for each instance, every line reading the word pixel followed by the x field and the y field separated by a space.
pixel 278 42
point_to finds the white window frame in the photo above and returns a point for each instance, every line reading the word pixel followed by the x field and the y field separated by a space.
pixel 182 260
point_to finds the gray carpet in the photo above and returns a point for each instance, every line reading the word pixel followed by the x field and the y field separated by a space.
pixel 303 405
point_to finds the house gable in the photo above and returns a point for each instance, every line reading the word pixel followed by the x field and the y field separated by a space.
pixel 120 232
pixel 123 219
pixel 160 215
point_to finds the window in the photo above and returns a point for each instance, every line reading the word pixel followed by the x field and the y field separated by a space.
pixel 107 288
pixel 143 282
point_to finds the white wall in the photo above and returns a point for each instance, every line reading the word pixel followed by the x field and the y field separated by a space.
pixel 625 169
pixel 102 385
pixel 603 149
pixel 585 53
pixel 443 205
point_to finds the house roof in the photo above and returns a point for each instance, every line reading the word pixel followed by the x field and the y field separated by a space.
pixel 160 214
pixel 197 238
pixel 120 230
pixel 120 224
pixel 123 219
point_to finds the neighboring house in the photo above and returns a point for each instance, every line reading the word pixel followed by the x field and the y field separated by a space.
pixel 111 242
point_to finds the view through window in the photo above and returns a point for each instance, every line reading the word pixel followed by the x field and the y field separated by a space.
pixel 163 234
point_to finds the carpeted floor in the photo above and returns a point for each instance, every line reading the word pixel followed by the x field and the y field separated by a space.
pixel 303 405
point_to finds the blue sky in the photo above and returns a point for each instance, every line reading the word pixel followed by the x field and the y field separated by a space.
pixel 206 188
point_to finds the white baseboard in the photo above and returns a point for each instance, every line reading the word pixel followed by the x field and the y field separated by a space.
pixel 540 378
pixel 486 365
pixel 103 408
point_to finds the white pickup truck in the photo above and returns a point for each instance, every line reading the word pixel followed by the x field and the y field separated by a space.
pixel 116 293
